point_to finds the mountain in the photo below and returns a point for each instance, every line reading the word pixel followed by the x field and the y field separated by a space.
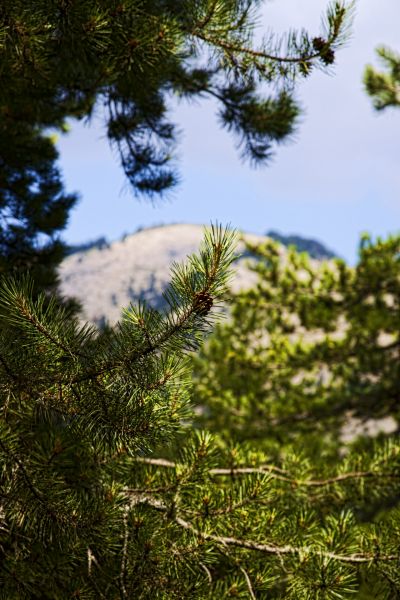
pixel 106 277
pixel 99 243
pixel 314 248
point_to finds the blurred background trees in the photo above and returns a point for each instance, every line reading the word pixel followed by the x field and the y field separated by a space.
pixel 303 378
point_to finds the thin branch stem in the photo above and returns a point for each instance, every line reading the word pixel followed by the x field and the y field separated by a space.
pixel 264 547
pixel 248 581
pixel 254 53
pixel 277 473
pixel 207 571
pixel 157 462
pixel 23 306
pixel 124 557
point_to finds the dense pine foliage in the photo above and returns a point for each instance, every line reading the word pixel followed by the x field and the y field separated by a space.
pixel 112 488
pixel 310 350
pixel 80 412
pixel 133 465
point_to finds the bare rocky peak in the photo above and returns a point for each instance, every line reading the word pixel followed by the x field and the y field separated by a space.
pixel 108 278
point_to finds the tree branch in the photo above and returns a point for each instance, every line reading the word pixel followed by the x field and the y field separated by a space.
pixel 264 547
pixel 277 473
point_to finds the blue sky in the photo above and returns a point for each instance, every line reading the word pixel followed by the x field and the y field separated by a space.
pixel 339 177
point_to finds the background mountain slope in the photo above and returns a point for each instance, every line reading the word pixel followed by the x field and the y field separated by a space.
pixel 107 277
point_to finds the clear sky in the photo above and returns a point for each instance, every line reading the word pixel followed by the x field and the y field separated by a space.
pixel 339 177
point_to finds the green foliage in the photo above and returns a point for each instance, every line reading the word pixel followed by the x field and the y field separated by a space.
pixel 384 86
pixel 78 409
pixel 112 488
pixel 33 205
pixel 309 342
pixel 309 349
pixel 107 489
pixel 130 56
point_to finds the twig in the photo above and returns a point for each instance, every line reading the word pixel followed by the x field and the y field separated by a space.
pixel 158 462
pixel 124 557
pixel 247 578
pixel 228 46
pixel 264 547
pixel 209 577
pixel 280 550
pixel 305 482
pixel 92 558
pixel 277 473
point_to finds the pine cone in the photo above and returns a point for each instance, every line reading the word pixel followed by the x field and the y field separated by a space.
pixel 202 303
pixel 321 46
pixel 318 44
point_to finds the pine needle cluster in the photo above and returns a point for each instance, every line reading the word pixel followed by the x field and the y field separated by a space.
pixel 80 411
pixel 384 85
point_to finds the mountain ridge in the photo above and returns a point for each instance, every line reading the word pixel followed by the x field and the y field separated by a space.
pixel 107 276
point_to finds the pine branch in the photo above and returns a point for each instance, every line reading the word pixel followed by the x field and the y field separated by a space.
pixel 124 559
pixel 190 304
pixel 31 318
pixel 236 48
pixel 319 48
pixel 277 473
pixel 263 547
pixel 304 482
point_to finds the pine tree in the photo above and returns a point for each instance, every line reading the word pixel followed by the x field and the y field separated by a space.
pixel 310 349
pixel 80 413
pixel 33 205
pixel 112 488
pixel 384 86
pixel 64 59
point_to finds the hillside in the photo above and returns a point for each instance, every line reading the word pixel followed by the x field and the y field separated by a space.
pixel 107 277
pixel 313 247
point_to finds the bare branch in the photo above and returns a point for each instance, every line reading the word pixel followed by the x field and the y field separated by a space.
pixel 207 571
pixel 280 474
pixel 124 557
pixel 256 54
pixel 158 462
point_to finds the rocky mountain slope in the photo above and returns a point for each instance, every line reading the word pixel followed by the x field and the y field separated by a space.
pixel 314 248
pixel 107 277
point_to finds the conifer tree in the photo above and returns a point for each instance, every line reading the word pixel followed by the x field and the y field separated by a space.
pixel 308 350
pixel 111 488
pixel 80 413
pixel 64 59
pixel 33 205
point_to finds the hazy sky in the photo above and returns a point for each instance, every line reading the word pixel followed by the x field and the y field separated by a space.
pixel 339 177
